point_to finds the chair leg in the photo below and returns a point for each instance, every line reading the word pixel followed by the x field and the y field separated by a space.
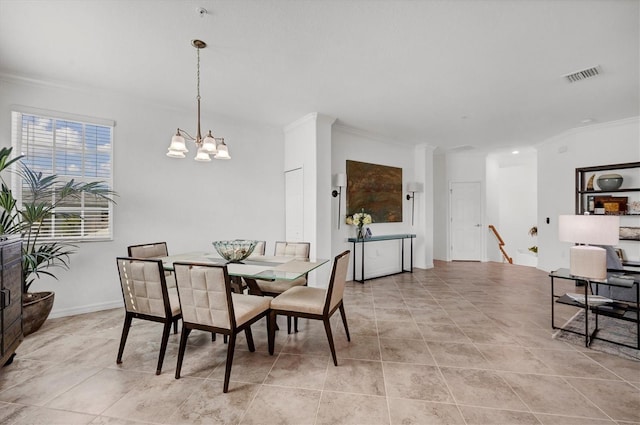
pixel 271 330
pixel 227 371
pixel 225 338
pixel 344 321
pixel 295 324
pixel 163 345
pixel 249 335
pixel 327 328
pixel 213 336
pixel 175 326
pixel 123 339
pixel 182 349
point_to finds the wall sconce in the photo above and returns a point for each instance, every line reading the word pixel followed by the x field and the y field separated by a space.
pixel 412 188
pixel 339 181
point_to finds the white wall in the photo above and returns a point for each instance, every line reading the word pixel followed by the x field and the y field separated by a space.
pixel 308 146
pixel 512 204
pixel 601 144
pixel 383 257
pixel 185 203
pixel 424 205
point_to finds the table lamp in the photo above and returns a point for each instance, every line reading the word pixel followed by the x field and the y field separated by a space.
pixel 585 260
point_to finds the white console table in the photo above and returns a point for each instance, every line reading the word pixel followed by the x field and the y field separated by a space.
pixel 362 242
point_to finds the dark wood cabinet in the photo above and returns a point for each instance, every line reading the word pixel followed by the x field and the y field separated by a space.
pixel 10 297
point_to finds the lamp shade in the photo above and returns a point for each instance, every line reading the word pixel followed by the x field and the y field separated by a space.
pixel 340 180
pixel 178 144
pixel 175 154
pixel 223 151
pixel 209 144
pixel 589 229
pixel 202 155
pixel 414 187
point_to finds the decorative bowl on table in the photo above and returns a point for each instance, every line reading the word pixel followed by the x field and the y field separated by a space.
pixel 235 250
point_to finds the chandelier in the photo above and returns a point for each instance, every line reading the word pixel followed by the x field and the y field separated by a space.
pixel 208 145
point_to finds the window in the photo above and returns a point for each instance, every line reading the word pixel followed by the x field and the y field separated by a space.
pixel 77 148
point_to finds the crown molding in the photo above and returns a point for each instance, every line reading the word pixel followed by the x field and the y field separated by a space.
pixel 312 116
pixel 584 129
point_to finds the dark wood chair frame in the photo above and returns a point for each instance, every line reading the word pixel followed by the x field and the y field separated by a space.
pixel 167 320
pixel 130 248
pixel 231 333
pixel 325 316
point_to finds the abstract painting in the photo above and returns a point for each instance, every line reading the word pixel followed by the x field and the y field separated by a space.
pixel 375 188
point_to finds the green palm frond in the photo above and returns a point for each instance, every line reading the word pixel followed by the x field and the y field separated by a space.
pixel 43 195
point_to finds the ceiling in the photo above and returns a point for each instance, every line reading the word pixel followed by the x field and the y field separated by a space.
pixel 453 74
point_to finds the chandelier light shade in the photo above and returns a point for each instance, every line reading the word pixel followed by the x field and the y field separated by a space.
pixel 207 146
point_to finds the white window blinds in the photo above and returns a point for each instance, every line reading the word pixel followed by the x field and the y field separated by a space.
pixel 72 149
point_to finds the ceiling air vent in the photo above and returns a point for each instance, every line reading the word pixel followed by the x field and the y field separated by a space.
pixel 583 74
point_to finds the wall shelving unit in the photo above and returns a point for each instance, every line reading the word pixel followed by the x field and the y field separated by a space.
pixel 583 194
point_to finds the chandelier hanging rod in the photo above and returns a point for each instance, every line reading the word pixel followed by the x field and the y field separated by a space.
pixel 210 145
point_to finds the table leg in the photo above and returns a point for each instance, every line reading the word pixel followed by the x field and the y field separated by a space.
pixel 236 284
pixel 586 316
pixel 362 260
pixel 354 261
pixel 411 239
pixel 254 289
pixel 553 305
pixel 402 255
pixel 638 315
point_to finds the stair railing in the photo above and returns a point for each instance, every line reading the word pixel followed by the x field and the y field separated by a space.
pixel 500 244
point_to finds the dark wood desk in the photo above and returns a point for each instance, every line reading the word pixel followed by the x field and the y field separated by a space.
pixel 402 237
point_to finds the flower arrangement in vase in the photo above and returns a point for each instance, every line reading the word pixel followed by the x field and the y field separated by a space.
pixel 359 220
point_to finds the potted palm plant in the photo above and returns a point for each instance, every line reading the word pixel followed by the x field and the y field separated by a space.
pixel 28 219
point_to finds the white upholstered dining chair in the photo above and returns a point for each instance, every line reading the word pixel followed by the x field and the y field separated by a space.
pixel 152 250
pixel 155 250
pixel 209 304
pixel 276 287
pixel 147 297
pixel 315 303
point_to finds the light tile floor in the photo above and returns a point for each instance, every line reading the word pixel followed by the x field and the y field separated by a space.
pixel 463 343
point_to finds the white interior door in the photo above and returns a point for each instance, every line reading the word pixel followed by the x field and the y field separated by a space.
pixel 294 205
pixel 466 221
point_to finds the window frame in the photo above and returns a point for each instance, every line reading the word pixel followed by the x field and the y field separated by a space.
pixel 18 114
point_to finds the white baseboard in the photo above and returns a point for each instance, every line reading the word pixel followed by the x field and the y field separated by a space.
pixel 85 309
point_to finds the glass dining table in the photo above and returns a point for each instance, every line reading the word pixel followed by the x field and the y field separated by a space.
pixel 256 267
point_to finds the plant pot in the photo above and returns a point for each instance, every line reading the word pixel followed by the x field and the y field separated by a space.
pixel 36 307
